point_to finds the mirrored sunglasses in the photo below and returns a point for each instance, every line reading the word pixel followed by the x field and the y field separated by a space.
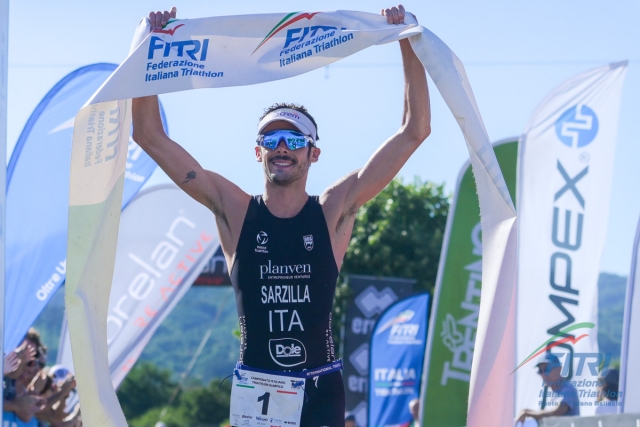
pixel 294 139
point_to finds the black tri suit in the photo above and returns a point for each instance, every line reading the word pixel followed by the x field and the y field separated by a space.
pixel 284 275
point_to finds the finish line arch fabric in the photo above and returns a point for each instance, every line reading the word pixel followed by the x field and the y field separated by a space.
pixel 244 50
pixel 166 238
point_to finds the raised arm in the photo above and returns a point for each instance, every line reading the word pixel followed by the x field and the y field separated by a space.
pixel 362 185
pixel 227 201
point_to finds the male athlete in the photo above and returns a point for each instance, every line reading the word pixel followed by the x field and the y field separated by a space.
pixel 284 248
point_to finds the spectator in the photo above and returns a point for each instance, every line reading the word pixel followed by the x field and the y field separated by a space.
pixel 562 400
pixel 350 421
pixel 608 393
pixel 414 409
pixel 31 395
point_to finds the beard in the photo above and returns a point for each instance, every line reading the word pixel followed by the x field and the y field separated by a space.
pixel 282 178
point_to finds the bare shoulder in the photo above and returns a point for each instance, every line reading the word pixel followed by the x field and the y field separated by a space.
pixel 340 214
pixel 229 199
pixel 229 204
pixel 334 201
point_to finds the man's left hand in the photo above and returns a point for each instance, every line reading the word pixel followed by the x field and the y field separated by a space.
pixel 395 15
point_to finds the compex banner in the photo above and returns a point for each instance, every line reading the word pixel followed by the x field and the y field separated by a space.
pixel 38 194
pixel 244 50
pixel 566 162
pixel 397 357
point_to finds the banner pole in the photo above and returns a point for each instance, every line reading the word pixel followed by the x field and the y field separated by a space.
pixel 4 49
pixel 626 323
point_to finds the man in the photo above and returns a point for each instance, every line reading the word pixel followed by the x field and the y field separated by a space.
pixel 350 421
pixel 284 248
pixel 563 399
pixel 414 409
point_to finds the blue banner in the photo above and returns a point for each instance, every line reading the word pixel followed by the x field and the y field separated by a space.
pixel 38 197
pixel 396 360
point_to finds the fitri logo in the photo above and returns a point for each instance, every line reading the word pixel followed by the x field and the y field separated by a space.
pixel 262 238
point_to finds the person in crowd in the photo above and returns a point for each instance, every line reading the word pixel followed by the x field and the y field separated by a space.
pixel 32 397
pixel 608 392
pixel 414 409
pixel 54 410
pixel 350 421
pixel 563 399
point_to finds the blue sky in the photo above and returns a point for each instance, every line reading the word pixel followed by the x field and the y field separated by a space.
pixel 515 53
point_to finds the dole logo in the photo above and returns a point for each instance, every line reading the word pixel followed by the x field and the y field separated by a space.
pixel 181 47
pixel 287 352
pixel 284 351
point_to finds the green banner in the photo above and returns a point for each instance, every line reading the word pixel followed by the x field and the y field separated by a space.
pixel 454 313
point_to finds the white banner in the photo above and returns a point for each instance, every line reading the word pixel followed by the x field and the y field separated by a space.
pixel 243 50
pixel 165 239
pixel 565 172
pixel 630 355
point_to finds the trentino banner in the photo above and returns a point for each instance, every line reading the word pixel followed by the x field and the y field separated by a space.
pixel 38 195
pixel 565 172
pixel 165 239
pixel 630 354
pixel 456 305
pixel 397 357
pixel 370 297
pixel 243 50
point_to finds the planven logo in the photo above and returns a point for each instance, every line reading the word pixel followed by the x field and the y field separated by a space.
pixel 562 336
pixel 291 18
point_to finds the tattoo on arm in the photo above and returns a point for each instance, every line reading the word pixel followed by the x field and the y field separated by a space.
pixel 191 175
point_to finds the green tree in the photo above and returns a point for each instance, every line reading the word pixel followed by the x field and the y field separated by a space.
pixel 144 388
pixel 397 234
pixel 198 407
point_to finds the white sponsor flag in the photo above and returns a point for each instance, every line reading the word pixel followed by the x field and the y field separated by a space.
pixel 629 365
pixel 243 50
pixel 565 173
pixel 165 239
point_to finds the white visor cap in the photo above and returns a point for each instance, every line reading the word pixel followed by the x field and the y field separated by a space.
pixel 299 120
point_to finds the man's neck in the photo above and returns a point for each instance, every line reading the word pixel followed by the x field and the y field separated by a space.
pixel 285 201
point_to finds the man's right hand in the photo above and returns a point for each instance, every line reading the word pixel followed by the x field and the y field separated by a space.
pixel 159 19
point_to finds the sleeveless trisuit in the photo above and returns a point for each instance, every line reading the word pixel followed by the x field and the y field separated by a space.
pixel 284 275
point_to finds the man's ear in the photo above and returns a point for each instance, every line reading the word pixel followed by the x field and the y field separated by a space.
pixel 315 154
pixel 258 154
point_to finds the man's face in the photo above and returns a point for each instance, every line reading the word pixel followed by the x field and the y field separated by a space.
pixel 349 423
pixel 549 375
pixel 283 166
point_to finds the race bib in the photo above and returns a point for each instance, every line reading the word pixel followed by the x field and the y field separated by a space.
pixel 259 399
